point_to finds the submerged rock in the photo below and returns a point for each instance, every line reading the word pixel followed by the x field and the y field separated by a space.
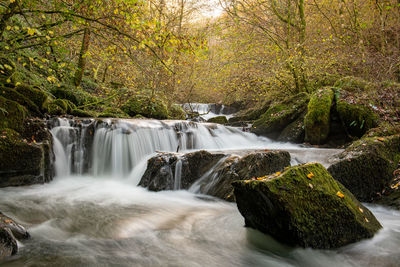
pixel 280 115
pixel 10 231
pixel 210 173
pixel 304 206
pixel 366 167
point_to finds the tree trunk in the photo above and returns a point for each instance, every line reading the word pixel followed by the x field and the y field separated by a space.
pixel 82 58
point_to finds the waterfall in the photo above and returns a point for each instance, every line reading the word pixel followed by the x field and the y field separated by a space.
pixel 209 111
pixel 120 148
pixel 178 175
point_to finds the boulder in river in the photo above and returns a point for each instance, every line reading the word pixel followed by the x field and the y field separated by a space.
pixel 210 173
pixel 10 231
pixel 366 167
pixel 218 119
pixel 304 206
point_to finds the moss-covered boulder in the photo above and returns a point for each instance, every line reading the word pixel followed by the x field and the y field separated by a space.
pixel 176 112
pixel 112 112
pixel 81 113
pixel 317 120
pixel 384 129
pixel 352 84
pixel 356 118
pixel 304 206
pixel 12 114
pixel 251 114
pixel 24 162
pixel 219 119
pixel 37 96
pixel 146 106
pixel 294 132
pixel 366 167
pixel 11 94
pixel 280 115
pixel 75 95
pixel 55 110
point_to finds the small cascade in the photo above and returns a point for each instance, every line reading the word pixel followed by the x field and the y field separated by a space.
pixel 208 111
pixel 178 174
pixel 121 148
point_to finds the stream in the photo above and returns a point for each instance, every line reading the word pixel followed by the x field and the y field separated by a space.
pixel 94 214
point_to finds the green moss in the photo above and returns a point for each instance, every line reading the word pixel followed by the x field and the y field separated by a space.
pixel 37 96
pixel 12 114
pixel 176 112
pixel 7 68
pixel 353 84
pixel 356 118
pixel 384 129
pixel 146 106
pixel 54 109
pixel 11 94
pixel 218 119
pixel 111 112
pixel 317 120
pixel 252 113
pixel 81 113
pixel 279 115
pixel 301 206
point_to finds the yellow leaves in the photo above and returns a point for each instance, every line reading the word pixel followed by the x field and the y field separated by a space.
pixel 310 175
pixel 278 173
pixel 31 31
pixel 381 139
pixel 62 65
pixel 7 47
pixel 339 194
pixel 395 186
pixel 366 220
pixel 12 1
pixel 8 221
pixel 48 37
pixel 17 83
pixel 311 186
pixel 31 59
pixel 8 28
pixel 8 81
pixel 52 79
pixel 361 210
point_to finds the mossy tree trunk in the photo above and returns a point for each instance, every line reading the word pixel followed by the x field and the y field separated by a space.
pixel 82 57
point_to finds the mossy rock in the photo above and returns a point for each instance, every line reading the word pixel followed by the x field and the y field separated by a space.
pixel 8 244
pixel 294 132
pixel 304 206
pixel 356 118
pixel 366 167
pixel 219 119
pixel 22 163
pixel 37 96
pixel 7 68
pixel 66 105
pixel 12 114
pixel 146 106
pixel 251 114
pixel 384 129
pixel 75 95
pixel 352 84
pixel 111 112
pixel 176 112
pixel 280 115
pixel 81 113
pixel 317 120
pixel 12 94
pixel 56 110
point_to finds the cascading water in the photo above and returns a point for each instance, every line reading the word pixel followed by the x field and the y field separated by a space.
pixel 81 219
pixel 178 175
pixel 208 111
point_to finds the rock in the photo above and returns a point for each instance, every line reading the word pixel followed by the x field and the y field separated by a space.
pixel 280 115
pixel 12 94
pixel 176 112
pixel 384 129
pixel 218 119
pixel 112 112
pixel 12 114
pixel 17 230
pixel 317 120
pixel 251 114
pixel 210 173
pixel 65 92
pixel 54 109
pixel 37 96
pixel 146 106
pixel 160 171
pixel 366 167
pixel 356 118
pixel 294 132
pixel 8 244
pixel 24 162
pixel 352 84
pixel 304 206
pixel 81 113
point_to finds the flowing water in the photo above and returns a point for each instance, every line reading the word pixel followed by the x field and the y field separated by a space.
pixel 208 111
pixel 93 214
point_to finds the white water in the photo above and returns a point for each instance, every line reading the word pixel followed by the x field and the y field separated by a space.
pixel 87 220
pixel 205 110
pixel 178 175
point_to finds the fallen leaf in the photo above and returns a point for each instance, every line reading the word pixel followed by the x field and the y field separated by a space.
pixel 310 175
pixel 339 194
pixel 381 139
pixel 278 173
pixel 311 186
pixel 366 220
pixel 361 210
pixel 8 221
